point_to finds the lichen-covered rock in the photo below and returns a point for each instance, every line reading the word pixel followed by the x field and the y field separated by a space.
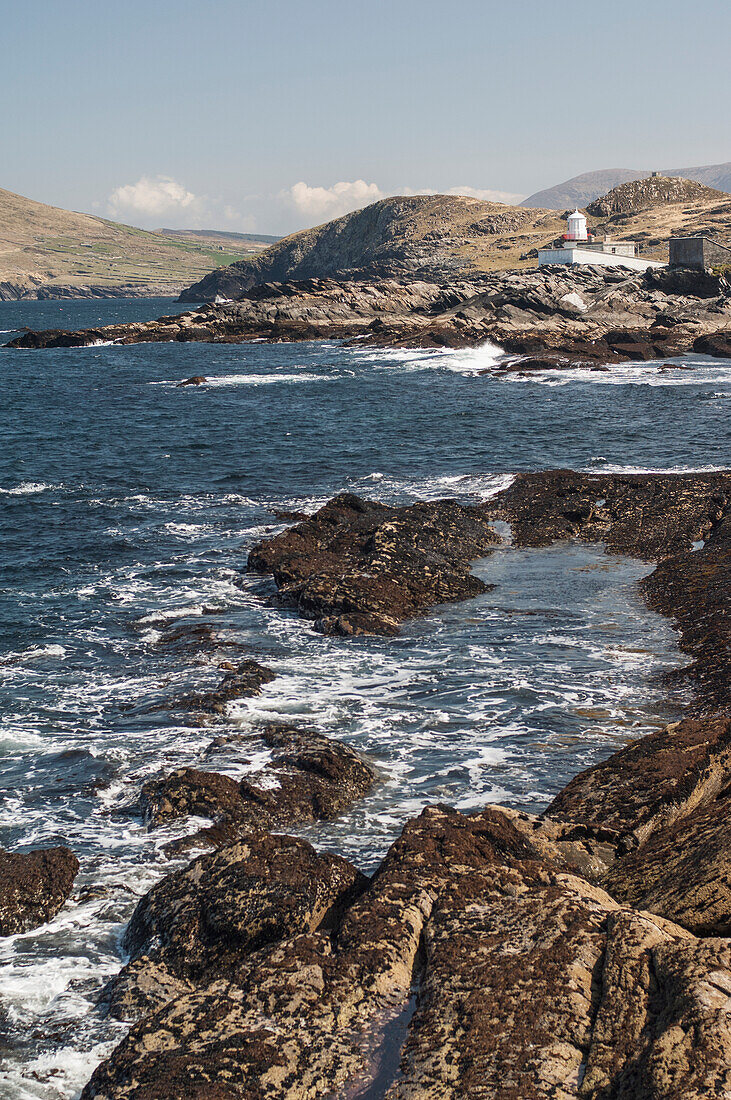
pixel 662 1028
pixel 200 921
pixel 531 982
pixel 683 872
pixel 34 886
pixel 358 566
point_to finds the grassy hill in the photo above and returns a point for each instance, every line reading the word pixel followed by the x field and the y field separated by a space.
pixel 447 237
pixel 49 252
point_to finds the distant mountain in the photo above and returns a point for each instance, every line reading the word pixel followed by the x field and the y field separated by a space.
pixel 583 189
pixel 46 252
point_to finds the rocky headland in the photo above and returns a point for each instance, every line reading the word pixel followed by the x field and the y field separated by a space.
pixel 550 317
pixel 448 271
pixel 583 953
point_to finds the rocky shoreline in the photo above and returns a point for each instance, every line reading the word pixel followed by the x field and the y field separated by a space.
pixel 551 317
pixel 583 953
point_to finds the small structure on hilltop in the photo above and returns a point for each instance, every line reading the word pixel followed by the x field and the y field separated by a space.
pixel 698 252
pixel 579 246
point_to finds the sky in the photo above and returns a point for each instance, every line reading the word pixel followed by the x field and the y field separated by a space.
pixel 272 115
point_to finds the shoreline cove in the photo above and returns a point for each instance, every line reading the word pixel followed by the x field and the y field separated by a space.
pixel 338 833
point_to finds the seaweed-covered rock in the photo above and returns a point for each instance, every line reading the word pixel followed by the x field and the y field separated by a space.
pixel 308 778
pixel 358 566
pixel 531 983
pixel 651 783
pixel 33 886
pixel 240 682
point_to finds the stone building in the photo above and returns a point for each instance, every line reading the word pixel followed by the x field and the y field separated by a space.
pixel 698 252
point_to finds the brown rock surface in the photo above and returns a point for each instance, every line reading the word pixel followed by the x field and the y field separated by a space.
pixel 34 886
pixel 309 778
pixel 531 982
pixel 241 681
pixel 643 515
pixel 357 566
pixel 695 590
pixel 651 783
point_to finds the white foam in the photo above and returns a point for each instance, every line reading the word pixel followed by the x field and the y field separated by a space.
pixel 660 373
pixel 468 361
pixel 28 488
pixel 472 361
pixel 250 380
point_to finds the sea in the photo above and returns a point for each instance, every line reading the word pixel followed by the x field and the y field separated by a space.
pixel 128 506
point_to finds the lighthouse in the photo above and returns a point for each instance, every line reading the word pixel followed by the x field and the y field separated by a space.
pixel 577 227
pixel 579 246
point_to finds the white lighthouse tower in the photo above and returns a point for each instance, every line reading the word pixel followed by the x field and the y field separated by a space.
pixel 577 227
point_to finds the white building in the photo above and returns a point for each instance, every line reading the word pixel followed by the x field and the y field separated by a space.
pixel 579 247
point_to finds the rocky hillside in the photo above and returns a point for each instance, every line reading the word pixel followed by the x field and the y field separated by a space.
pixel 46 252
pixel 443 238
pixel 433 237
pixel 582 189
pixel 638 195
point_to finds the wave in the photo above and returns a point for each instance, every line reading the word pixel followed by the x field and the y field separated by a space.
pixel 250 380
pixel 601 465
pixel 661 373
pixel 28 488
pixel 468 361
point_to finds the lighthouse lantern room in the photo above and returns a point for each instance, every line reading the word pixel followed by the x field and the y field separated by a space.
pixel 577 227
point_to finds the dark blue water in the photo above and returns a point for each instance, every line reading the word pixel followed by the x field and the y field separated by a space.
pixel 128 505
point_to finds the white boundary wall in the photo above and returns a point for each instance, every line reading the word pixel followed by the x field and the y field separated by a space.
pixel 588 256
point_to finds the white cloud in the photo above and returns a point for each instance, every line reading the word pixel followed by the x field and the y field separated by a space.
pixel 161 197
pixel 507 197
pixel 324 203
pixel 161 202
pixel 318 204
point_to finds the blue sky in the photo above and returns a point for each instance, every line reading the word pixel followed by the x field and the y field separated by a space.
pixel 276 114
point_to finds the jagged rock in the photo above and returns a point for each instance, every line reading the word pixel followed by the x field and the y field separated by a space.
pixel 34 886
pixel 242 681
pixel 357 566
pixel 584 313
pixel 196 380
pixel 309 778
